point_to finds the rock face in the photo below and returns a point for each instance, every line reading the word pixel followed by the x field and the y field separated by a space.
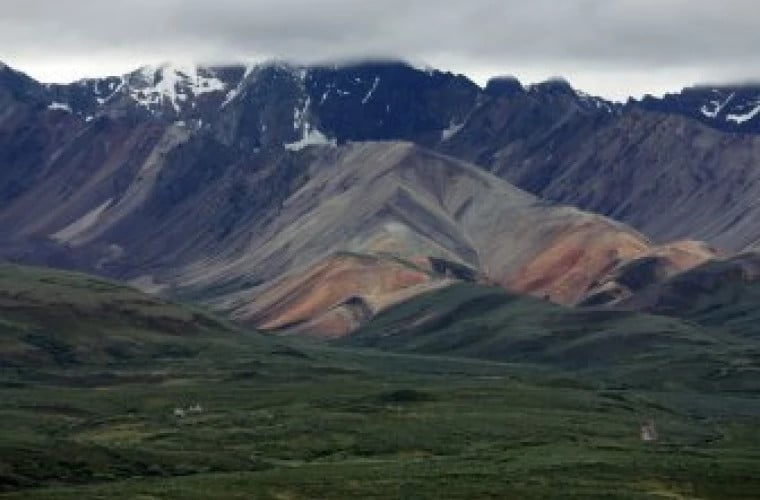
pixel 667 175
pixel 336 295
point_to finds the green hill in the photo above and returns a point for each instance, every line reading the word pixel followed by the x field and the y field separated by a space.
pixel 50 317
pixel 724 294
pixel 630 347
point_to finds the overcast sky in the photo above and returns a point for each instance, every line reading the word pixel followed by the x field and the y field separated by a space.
pixel 613 48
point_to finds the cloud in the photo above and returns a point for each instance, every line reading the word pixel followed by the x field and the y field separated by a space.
pixel 612 47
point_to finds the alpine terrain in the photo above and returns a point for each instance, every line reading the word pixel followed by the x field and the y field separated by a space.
pixel 375 280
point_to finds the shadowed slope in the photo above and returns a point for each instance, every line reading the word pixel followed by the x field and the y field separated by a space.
pixel 717 293
pixel 666 175
pixel 55 317
pixel 652 268
pixel 487 322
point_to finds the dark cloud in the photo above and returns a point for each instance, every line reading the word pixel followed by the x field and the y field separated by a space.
pixel 610 46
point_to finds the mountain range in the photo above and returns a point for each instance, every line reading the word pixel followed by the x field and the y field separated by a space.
pixel 309 199
pixel 372 280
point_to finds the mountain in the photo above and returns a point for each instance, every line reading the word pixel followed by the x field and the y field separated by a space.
pixel 172 92
pixel 667 175
pixel 434 218
pixel 191 218
pixel 248 186
pixel 631 162
pixel 731 108
pixel 359 203
pixel 281 104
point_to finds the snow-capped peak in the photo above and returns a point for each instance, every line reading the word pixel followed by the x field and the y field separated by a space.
pixel 734 107
pixel 151 86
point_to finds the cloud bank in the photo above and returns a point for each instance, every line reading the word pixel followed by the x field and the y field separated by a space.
pixel 610 47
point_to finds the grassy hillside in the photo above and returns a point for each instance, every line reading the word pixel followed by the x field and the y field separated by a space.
pixel 723 294
pixel 241 416
pixel 50 317
pixel 633 348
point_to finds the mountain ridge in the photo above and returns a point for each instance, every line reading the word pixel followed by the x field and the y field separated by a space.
pixel 185 170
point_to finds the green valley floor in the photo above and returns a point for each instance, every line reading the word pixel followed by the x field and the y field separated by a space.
pixel 315 423
pixel 107 393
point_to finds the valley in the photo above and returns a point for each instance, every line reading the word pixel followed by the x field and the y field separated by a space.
pixel 372 280
pixel 138 397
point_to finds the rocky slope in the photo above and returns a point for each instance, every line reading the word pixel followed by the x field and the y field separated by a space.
pixel 679 167
pixel 420 210
pixel 665 174
pixel 262 235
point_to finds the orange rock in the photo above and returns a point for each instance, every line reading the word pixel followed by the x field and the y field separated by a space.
pixel 332 297
pixel 566 269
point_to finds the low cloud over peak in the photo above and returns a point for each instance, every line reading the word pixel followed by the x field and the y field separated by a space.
pixel 610 47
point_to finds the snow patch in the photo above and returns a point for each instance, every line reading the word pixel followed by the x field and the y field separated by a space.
pixel 717 107
pixel 232 94
pixel 326 94
pixel 311 137
pixel 371 91
pixel 60 106
pixel 595 102
pixel 450 132
pixel 741 118
pixel 299 115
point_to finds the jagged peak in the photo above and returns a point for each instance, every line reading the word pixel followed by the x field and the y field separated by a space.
pixel 152 85
pixel 555 85
pixel 504 86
